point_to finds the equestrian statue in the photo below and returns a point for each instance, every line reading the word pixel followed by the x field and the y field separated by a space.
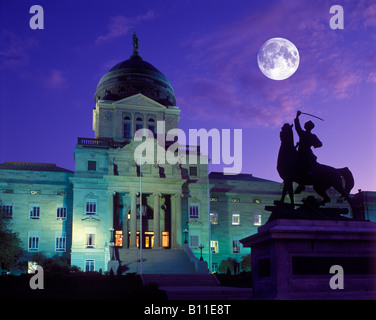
pixel 298 164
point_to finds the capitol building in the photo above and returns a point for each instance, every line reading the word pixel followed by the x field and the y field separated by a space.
pixel 186 219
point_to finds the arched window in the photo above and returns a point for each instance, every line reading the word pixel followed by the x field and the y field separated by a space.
pixel 127 127
pixel 139 123
pixel 151 126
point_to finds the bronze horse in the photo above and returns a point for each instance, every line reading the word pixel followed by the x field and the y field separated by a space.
pixel 322 178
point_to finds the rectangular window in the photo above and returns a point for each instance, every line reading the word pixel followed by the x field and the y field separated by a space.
pixel 34 212
pixel 193 171
pixel 61 213
pixel 235 219
pixel 193 241
pixel 61 241
pixel 92 165
pixel 235 200
pixel 214 246
pixel 89 265
pixel 7 210
pixel 91 207
pixel 193 211
pixel 213 218
pixel 257 219
pixel 127 130
pixel 90 240
pixel 235 246
pixel 33 245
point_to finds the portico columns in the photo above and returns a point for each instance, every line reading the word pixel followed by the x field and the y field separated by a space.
pixel 110 203
pixel 133 220
pixel 156 221
pixel 125 228
pixel 176 219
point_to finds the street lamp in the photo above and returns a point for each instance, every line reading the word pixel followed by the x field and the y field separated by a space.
pixel 185 235
pixel 201 246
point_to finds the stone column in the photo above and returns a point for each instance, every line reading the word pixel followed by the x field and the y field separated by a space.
pixel 157 221
pixel 173 223
pixel 178 221
pixel 110 208
pixel 125 227
pixel 133 219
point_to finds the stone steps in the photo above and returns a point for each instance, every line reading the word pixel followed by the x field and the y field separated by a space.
pixel 156 261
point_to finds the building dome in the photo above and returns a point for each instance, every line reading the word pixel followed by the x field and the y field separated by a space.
pixel 134 76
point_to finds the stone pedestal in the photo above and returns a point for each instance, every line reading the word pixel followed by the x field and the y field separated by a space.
pixel 292 258
pixel 113 265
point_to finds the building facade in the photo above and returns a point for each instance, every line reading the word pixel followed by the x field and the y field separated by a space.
pixel 167 203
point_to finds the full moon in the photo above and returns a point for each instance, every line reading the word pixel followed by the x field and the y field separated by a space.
pixel 278 58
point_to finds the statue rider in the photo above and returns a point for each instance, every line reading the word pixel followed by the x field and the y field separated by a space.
pixel 306 158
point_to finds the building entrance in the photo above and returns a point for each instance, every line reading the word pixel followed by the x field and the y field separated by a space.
pixel 147 240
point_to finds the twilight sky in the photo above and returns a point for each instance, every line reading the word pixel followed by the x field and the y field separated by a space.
pixel 208 51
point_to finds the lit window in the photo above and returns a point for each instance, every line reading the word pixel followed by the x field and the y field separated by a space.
pixel 119 238
pixel 165 239
pixel 34 212
pixel 213 218
pixel 89 265
pixel 257 219
pixel 258 201
pixel 91 207
pixel 235 200
pixel 235 219
pixel 193 211
pixel 61 213
pixel 214 246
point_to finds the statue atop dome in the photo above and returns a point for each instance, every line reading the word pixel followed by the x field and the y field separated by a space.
pixel 136 45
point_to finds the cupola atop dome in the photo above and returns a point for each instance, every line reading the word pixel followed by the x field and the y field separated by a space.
pixel 133 76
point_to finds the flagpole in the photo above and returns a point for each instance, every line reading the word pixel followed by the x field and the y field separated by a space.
pixel 140 215
pixel 209 225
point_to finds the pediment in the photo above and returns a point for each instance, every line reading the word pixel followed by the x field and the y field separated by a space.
pixel 139 100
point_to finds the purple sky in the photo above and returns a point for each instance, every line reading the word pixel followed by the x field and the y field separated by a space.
pixel 208 51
